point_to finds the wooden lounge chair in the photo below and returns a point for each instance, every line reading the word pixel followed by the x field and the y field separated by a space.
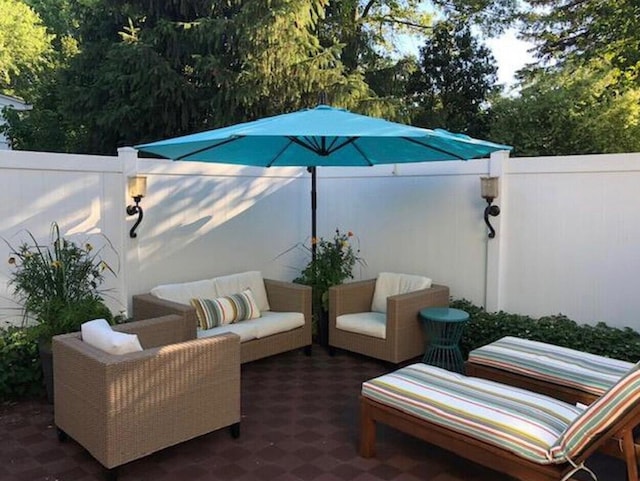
pixel 563 373
pixel 511 432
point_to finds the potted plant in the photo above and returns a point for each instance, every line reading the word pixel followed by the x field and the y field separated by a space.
pixel 58 286
pixel 332 264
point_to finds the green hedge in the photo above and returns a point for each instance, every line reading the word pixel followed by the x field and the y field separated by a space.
pixel 484 327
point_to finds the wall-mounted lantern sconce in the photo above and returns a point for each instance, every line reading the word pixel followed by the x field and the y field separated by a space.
pixel 137 188
pixel 489 190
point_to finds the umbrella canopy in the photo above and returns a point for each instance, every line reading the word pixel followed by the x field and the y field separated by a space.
pixel 323 136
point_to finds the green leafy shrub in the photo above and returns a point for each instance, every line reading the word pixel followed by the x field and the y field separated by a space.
pixel 484 327
pixel 332 265
pixel 58 284
pixel 20 371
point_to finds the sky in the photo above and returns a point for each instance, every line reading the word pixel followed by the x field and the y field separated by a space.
pixel 511 55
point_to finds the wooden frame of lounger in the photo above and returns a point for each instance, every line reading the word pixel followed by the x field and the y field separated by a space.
pixel 564 393
pixel 481 452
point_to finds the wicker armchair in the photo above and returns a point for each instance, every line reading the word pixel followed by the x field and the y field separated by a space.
pixel 405 338
pixel 121 408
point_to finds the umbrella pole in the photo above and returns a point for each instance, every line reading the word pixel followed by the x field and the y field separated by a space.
pixel 314 238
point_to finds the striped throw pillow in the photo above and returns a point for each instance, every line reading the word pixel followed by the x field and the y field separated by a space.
pixel 225 310
pixel 599 416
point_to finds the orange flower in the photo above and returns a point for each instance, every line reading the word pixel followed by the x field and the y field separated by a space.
pixel 314 240
pixel 349 234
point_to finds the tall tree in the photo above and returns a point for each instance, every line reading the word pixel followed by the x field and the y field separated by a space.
pixel 150 70
pixel 456 76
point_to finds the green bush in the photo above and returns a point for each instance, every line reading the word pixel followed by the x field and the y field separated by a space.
pixel 484 328
pixel 20 371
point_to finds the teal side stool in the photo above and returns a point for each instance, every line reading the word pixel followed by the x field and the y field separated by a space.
pixel 444 327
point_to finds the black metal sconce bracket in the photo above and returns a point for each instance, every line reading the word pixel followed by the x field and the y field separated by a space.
pixel 493 211
pixel 133 210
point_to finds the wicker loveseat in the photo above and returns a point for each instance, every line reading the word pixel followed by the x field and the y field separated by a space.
pixel 124 407
pixel 270 334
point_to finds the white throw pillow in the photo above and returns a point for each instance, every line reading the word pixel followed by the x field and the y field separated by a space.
pixel 391 284
pixel 98 333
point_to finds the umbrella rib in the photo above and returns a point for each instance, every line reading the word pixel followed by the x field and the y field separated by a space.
pixel 209 147
pixel 414 141
pixel 320 147
pixel 364 156
pixel 277 156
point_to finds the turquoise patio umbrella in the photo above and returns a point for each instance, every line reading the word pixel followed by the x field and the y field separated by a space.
pixel 321 137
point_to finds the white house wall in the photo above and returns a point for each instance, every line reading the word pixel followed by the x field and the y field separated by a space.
pixel 566 240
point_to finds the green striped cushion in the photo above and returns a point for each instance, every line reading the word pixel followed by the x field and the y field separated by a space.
pixel 525 423
pixel 599 416
pixel 580 370
pixel 225 310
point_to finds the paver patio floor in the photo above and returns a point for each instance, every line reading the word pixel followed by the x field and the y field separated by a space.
pixel 299 422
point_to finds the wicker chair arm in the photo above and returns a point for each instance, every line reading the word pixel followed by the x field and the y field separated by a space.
pixel 288 297
pixel 148 306
pixel 403 309
pixel 160 331
pixel 350 298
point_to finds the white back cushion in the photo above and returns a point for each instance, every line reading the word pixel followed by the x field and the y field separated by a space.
pixel 183 292
pixel 98 333
pixel 391 284
pixel 234 283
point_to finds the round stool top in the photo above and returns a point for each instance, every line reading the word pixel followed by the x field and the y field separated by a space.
pixel 444 314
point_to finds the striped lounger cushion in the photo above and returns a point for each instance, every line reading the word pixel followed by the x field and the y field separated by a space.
pixel 606 411
pixel 580 370
pixel 526 423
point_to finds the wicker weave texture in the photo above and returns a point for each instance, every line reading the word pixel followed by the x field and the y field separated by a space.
pixel 405 334
pixel 282 297
pixel 121 408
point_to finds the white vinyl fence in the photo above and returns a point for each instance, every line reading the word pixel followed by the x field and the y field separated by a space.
pixel 566 238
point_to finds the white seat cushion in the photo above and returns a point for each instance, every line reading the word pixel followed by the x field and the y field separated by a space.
pixel 276 322
pixel 372 324
pixel 234 283
pixel 269 324
pixel 391 284
pixel 245 329
pixel 183 292
pixel 98 333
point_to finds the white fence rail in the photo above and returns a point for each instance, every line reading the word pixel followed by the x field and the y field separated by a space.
pixel 566 240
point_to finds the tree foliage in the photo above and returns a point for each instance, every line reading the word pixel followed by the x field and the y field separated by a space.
pixel 24 46
pixel 583 95
pixel 455 78
pixel 126 72
pixel 585 29
pixel 576 110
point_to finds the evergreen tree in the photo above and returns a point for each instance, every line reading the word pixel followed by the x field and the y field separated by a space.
pixel 456 76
